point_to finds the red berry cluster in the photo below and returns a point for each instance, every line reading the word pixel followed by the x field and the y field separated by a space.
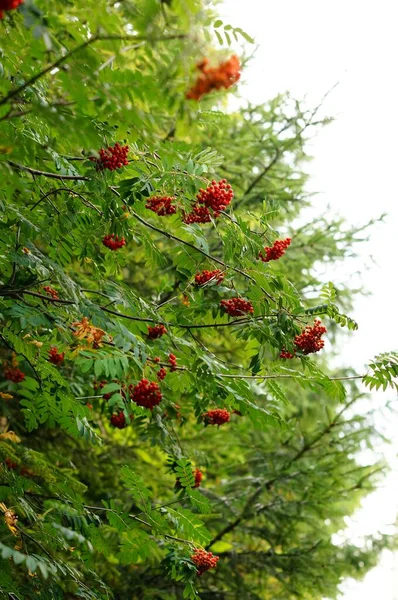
pixel 205 276
pixel 217 416
pixel 310 338
pixel 236 307
pixel 217 196
pixel 119 420
pixel 276 251
pixel 112 158
pixel 173 362
pixel 161 374
pixel 156 332
pixel 9 5
pixel 146 393
pixel 99 385
pixel 214 78
pixel 14 374
pixel 51 292
pixel 56 357
pixel 161 205
pixel 198 476
pixel 113 242
pixel 286 354
pixel 204 560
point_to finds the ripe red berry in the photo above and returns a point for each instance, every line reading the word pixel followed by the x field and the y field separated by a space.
pixel 51 292
pixel 9 5
pixel 156 331
pixel 204 560
pixel 56 357
pixel 276 251
pixel 161 374
pixel 223 75
pixel 206 276
pixel 198 476
pixel 119 420
pixel 217 416
pixel 286 354
pixel 113 242
pixel 146 393
pixel 161 205
pixel 236 307
pixel 14 374
pixel 111 158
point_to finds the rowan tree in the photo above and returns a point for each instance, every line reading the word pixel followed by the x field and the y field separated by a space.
pixel 171 427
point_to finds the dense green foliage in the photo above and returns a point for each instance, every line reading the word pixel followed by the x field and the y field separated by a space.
pixel 99 512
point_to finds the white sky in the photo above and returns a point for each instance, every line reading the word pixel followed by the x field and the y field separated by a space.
pixel 306 46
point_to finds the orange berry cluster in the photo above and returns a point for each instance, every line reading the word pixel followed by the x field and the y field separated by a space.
pixel 111 158
pixel 51 292
pixel 276 251
pixel 310 338
pixel 113 242
pixel 56 357
pixel 205 276
pixel 9 5
pixel 156 332
pixel 217 416
pixel 204 560
pixel 146 393
pixel 14 374
pixel 214 78
pixel 217 196
pixel 161 205
pixel 198 476
pixel 236 307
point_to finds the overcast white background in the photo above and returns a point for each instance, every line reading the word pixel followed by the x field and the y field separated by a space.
pixel 305 47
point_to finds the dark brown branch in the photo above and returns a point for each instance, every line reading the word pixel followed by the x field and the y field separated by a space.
pixel 46 174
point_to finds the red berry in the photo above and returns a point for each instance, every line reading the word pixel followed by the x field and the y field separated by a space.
pixel 111 158
pixel 214 78
pixel 156 332
pixel 236 307
pixel 276 251
pixel 173 362
pixel 161 374
pixel 146 393
pixel 113 242
pixel 286 354
pixel 218 416
pixel 204 560
pixel 161 205
pixel 205 276
pixel 56 357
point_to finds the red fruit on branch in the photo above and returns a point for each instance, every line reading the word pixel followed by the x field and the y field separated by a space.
pixel 173 362
pixel 51 292
pixel 198 475
pixel 111 158
pixel 205 276
pixel 156 331
pixel 236 307
pixel 9 5
pixel 146 393
pixel 216 197
pixel 204 560
pixel 276 251
pixel 113 242
pixel 14 374
pixel 161 374
pixel 119 420
pixel 309 340
pixel 161 205
pixel 214 78
pixel 286 354
pixel 217 416
pixel 56 357
pixel 199 214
